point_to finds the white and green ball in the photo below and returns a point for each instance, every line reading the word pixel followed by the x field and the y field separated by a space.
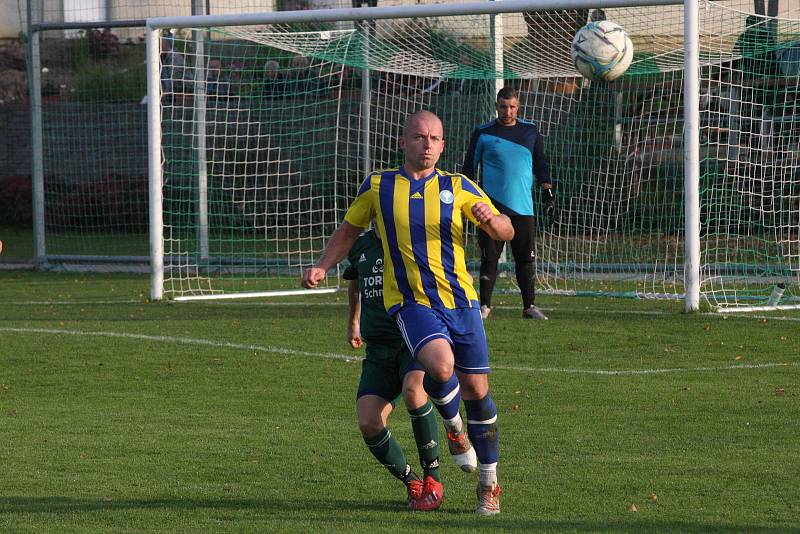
pixel 602 51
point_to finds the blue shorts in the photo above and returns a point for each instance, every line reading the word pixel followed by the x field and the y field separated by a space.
pixel 461 327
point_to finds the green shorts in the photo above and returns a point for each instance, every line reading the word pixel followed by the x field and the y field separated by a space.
pixel 384 368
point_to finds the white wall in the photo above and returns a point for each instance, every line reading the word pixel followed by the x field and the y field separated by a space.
pixel 10 25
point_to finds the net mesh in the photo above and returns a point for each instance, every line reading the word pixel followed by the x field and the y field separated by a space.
pixel 277 129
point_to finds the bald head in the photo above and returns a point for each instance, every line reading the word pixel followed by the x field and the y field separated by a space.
pixel 422 142
pixel 422 116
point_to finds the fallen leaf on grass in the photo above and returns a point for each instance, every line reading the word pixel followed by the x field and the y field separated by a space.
pixel 632 508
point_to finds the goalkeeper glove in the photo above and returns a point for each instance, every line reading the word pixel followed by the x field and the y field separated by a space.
pixel 550 205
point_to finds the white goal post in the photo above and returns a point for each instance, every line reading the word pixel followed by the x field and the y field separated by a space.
pixel 244 192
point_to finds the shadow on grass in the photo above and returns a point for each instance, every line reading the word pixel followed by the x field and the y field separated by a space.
pixel 344 511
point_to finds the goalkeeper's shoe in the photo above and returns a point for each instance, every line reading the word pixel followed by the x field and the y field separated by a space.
pixel 462 451
pixel 534 313
pixel 431 498
pixel 488 499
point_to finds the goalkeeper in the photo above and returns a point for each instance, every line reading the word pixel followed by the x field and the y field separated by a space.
pixel 387 370
pixel 510 155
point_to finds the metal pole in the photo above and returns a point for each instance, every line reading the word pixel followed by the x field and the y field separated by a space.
pixel 691 139
pixel 618 116
pixel 496 31
pixel 154 163
pixel 366 98
pixel 37 143
pixel 200 107
pixel 417 10
pixel 366 101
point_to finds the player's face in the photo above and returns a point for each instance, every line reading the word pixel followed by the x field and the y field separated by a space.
pixel 423 143
pixel 507 109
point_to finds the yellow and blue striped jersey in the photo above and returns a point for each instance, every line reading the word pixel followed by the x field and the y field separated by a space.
pixel 422 225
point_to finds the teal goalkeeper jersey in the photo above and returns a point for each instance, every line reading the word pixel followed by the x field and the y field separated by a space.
pixel 366 266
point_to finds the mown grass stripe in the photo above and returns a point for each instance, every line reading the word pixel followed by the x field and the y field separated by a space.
pixel 345 357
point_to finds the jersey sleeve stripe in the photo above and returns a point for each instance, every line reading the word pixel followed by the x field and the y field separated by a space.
pixel 470 187
pixel 365 185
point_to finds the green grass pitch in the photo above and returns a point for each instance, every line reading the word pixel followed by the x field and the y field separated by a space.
pixel 119 415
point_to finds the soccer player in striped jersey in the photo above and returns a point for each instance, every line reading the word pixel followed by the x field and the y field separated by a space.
pixel 420 212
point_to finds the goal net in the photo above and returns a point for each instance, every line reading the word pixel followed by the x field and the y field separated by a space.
pixel 266 131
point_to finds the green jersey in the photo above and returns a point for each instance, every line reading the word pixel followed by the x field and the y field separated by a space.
pixel 366 266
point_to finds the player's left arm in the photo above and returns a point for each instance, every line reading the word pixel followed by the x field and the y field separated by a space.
pixel 497 225
pixel 479 209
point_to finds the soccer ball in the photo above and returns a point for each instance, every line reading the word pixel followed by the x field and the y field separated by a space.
pixel 602 51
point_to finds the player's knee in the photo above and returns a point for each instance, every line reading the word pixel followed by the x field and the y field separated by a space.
pixel 437 358
pixel 414 394
pixel 373 413
pixel 488 269
pixel 370 425
pixel 474 386
pixel 441 371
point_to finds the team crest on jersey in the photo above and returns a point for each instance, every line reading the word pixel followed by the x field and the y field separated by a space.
pixel 446 197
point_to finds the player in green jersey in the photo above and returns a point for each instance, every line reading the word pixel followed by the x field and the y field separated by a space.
pixel 389 370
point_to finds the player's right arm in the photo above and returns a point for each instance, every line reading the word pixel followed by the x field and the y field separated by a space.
pixel 353 313
pixel 358 215
pixel 336 249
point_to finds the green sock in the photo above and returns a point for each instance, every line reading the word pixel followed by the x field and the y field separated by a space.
pixel 388 452
pixel 426 433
